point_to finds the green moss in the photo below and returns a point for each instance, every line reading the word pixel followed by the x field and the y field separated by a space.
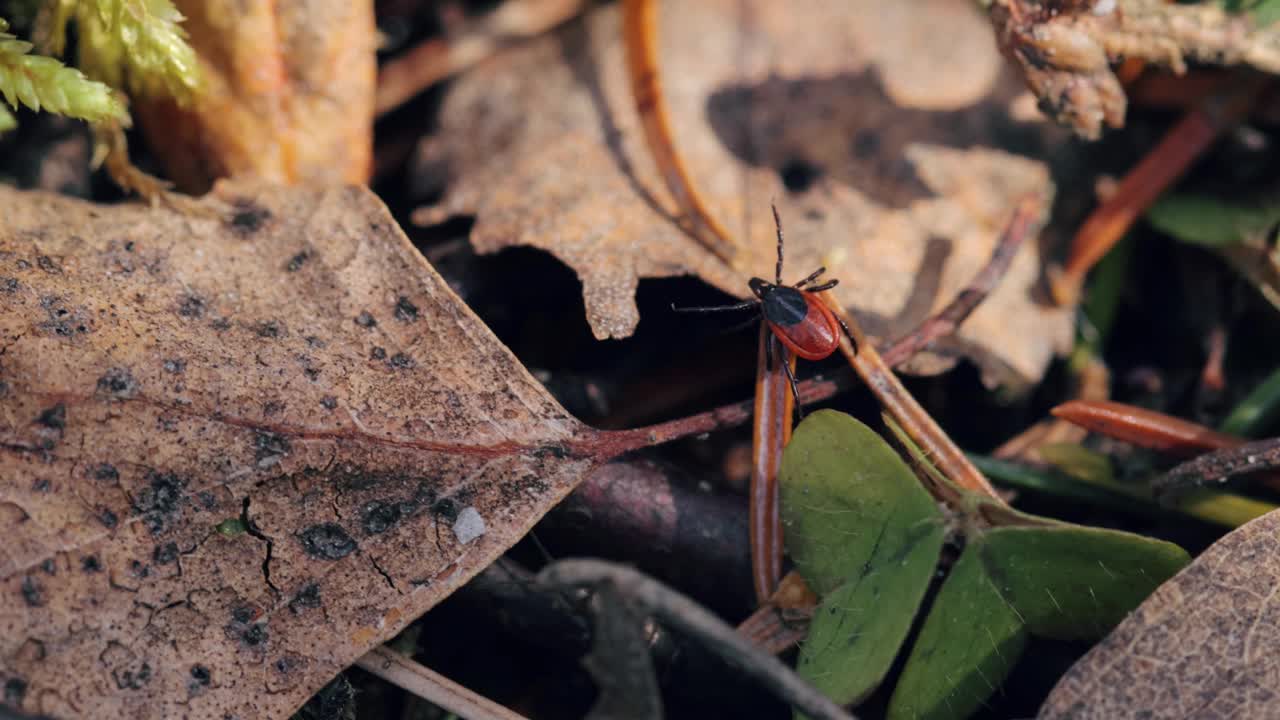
pixel 43 83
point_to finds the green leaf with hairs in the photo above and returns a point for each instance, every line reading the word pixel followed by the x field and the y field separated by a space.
pixel 970 641
pixel 865 536
pixel 1076 582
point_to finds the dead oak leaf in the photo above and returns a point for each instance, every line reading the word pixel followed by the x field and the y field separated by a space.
pixel 883 132
pixel 1203 644
pixel 239 451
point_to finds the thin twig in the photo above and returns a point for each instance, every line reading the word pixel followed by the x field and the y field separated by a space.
pixel 432 686
pixel 687 616
pixel 948 319
pixel 1221 466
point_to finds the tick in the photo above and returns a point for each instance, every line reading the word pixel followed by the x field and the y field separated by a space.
pixel 796 316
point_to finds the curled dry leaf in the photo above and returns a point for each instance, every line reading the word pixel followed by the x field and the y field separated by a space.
pixel 882 130
pixel 1203 644
pixel 286 94
pixel 241 450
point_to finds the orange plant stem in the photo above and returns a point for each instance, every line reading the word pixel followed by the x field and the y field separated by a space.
pixel 770 434
pixel 640 36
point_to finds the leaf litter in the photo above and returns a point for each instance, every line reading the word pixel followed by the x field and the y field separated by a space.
pixel 896 162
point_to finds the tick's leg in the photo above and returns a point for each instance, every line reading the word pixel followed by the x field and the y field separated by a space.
pixel 777 223
pixel 812 276
pixel 718 308
pixel 791 376
pixel 824 286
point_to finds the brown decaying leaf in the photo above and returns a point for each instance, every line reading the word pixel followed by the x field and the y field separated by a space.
pixel 291 362
pixel 287 94
pixel 886 120
pixel 1202 646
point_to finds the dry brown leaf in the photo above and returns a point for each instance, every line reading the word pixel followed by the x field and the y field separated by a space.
pixel 291 363
pixel 287 94
pixel 891 121
pixel 1202 646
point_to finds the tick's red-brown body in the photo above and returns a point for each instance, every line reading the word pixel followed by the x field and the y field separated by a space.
pixel 798 319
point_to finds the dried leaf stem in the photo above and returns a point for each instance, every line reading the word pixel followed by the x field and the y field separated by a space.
pixel 432 686
pixel 640 35
pixel 683 614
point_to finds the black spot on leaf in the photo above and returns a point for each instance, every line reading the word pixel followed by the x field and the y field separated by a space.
pixel 165 554
pixel 297 261
pixel 308 597
pixel 446 508
pixel 248 217
pixel 160 501
pixel 270 329
pixel 130 679
pixel 405 310
pixel 32 592
pixel 191 306
pixel 108 518
pixel 327 541
pixel 54 418
pixel 378 516
pixel 255 635
pixel 15 689
pixel 118 382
